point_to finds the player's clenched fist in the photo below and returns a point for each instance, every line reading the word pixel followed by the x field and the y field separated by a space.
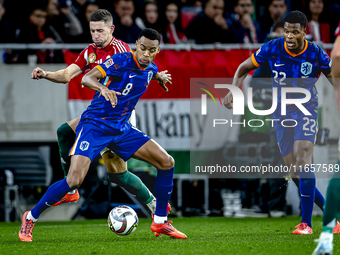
pixel 38 73
pixel 228 100
pixel 110 95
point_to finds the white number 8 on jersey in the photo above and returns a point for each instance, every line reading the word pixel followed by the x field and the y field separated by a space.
pixel 127 89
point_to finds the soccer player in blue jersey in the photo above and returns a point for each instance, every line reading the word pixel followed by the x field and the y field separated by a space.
pixel 295 63
pixel 120 81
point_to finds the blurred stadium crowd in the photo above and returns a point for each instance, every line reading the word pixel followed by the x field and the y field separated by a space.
pixel 179 21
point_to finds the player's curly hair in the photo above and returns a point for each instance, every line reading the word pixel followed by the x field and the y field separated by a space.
pixel 296 17
pixel 102 15
pixel 151 34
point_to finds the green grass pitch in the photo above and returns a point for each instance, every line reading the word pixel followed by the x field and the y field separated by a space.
pixel 205 236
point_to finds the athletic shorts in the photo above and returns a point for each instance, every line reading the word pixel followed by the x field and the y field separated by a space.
pixel 91 140
pixel 132 120
pixel 305 129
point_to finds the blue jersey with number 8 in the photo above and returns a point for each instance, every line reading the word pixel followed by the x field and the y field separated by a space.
pixel 121 73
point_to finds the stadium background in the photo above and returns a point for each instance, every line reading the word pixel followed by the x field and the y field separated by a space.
pixel 31 111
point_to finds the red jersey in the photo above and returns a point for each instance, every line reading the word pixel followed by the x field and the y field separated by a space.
pixel 92 56
pixel 337 30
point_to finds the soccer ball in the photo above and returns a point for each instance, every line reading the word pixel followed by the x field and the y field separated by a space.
pixel 122 220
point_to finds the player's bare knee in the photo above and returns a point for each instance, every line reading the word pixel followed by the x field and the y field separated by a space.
pixel 74 181
pixel 167 162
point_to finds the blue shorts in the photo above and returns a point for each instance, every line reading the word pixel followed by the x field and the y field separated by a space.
pixel 91 140
pixel 306 129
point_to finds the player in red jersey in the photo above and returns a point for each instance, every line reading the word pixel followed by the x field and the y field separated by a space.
pixel 105 45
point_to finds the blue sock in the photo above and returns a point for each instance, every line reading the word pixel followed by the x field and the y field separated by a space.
pixel 163 190
pixel 307 194
pixel 53 194
pixel 319 199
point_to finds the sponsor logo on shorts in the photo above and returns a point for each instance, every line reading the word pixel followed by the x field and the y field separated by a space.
pixel 306 134
pixel 84 145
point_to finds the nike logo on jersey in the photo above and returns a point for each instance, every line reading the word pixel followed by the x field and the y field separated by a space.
pixel 307 134
pixel 131 76
pixel 278 64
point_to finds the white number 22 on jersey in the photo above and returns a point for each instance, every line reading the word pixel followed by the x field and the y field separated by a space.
pixel 311 127
pixel 282 75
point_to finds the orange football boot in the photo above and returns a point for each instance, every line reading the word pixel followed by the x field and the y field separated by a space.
pixel 25 232
pixel 69 198
pixel 302 229
pixel 167 229
pixel 336 229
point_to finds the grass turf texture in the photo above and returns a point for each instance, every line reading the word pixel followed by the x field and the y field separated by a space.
pixel 205 236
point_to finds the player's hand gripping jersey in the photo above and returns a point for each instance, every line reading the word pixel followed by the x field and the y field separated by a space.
pixel 294 70
pixel 122 73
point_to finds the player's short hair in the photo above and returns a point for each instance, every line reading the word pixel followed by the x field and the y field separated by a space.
pixel 102 15
pixel 296 17
pixel 151 34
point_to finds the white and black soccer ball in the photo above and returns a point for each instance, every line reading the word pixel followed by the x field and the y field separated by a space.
pixel 122 220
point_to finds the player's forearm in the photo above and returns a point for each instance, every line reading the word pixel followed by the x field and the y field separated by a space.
pixel 92 82
pixel 240 75
pixel 57 77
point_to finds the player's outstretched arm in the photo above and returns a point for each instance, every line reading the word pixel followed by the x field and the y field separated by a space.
pixel 240 74
pixel 60 76
pixel 336 71
pixel 163 78
pixel 90 80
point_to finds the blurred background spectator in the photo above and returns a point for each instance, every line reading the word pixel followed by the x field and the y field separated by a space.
pixel 62 21
pixel 124 21
pixel 35 30
pixel 316 26
pixel 273 14
pixel 245 29
pixel 172 31
pixel 209 26
pixel 84 17
pixel 150 17
pixel 8 35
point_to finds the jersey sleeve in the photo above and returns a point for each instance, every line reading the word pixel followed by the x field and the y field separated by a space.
pixel 81 60
pixel 154 69
pixel 325 62
pixel 113 65
pixel 261 55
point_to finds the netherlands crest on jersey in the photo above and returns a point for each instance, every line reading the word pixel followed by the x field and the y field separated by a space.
pixel 150 74
pixel 306 68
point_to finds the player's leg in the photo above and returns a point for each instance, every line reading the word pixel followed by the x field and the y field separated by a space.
pixel 66 135
pixel 78 170
pixel 301 157
pixel 319 200
pixel 118 173
pixel 90 141
pixel 154 154
pixel 331 214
